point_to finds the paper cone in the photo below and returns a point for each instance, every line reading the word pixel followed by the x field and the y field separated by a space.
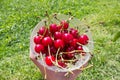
pixel 52 74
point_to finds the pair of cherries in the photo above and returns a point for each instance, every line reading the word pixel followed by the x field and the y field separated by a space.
pixel 58 37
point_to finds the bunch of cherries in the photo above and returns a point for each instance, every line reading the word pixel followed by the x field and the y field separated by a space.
pixel 60 44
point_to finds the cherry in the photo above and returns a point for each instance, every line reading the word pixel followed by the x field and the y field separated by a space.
pixel 43 30
pixel 74 42
pixel 67 37
pixel 53 50
pixel 69 49
pixel 79 47
pixel 46 41
pixel 70 55
pixel 59 43
pixel 64 56
pixel 45 51
pixel 74 32
pixel 57 35
pixel 64 24
pixel 65 31
pixel 71 29
pixel 83 53
pixel 49 60
pixel 59 27
pixel 53 28
pixel 39 48
pixel 37 39
pixel 83 39
pixel 62 64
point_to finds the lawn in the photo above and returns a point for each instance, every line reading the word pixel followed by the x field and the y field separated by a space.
pixel 19 17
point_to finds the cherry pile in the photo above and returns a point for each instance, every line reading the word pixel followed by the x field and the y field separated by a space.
pixel 60 44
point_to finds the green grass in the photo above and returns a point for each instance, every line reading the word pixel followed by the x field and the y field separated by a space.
pixel 18 18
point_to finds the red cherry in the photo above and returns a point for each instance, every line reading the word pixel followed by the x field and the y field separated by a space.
pixel 53 28
pixel 62 64
pixel 67 37
pixel 64 24
pixel 69 49
pixel 39 48
pixel 74 32
pixel 57 35
pixel 74 42
pixel 43 30
pixel 83 53
pixel 59 43
pixel 49 59
pixel 65 31
pixel 64 56
pixel 79 48
pixel 37 39
pixel 83 39
pixel 70 55
pixel 47 41
pixel 53 50
pixel 71 29
pixel 59 27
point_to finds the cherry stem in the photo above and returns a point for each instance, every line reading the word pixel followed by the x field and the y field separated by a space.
pixel 43 65
pixel 51 59
pixel 46 14
pixel 57 55
pixel 49 50
pixel 79 44
pixel 83 68
pixel 69 13
pixel 69 60
pixel 45 23
pixel 55 16
pixel 45 32
pixel 66 60
pixel 68 73
pixel 70 18
pixel 61 57
pixel 73 51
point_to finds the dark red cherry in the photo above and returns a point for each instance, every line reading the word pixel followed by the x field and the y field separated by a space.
pixel 79 47
pixel 49 60
pixel 47 41
pixel 65 31
pixel 53 28
pixel 37 39
pixel 62 64
pixel 70 55
pixel 71 29
pixel 67 37
pixel 53 50
pixel 83 53
pixel 74 42
pixel 57 35
pixel 39 48
pixel 83 39
pixel 69 49
pixel 64 24
pixel 74 32
pixel 59 43
pixel 59 27
pixel 43 30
